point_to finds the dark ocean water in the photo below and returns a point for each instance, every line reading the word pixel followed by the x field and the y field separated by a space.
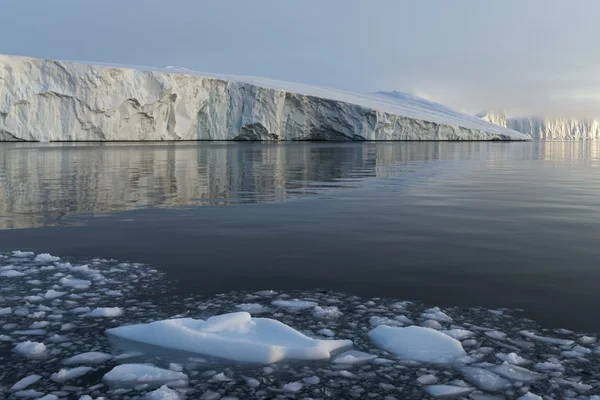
pixel 512 225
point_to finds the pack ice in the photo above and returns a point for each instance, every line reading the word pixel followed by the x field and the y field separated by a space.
pixel 48 100
pixel 234 336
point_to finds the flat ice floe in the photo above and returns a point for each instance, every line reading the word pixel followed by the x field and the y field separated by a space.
pixel 234 336
pixel 399 349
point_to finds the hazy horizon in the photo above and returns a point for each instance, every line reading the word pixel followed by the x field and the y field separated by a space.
pixel 533 57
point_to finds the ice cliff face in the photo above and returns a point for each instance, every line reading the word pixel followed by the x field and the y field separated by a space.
pixel 47 100
pixel 545 127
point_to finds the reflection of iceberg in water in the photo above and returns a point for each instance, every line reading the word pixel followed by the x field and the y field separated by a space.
pixel 42 184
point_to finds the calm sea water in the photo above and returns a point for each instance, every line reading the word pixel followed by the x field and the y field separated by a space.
pixel 468 224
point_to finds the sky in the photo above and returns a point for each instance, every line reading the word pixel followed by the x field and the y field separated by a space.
pixel 524 56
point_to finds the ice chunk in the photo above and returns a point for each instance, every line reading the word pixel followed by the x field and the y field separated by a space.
pixel 53 294
pixel 66 374
pixel 53 397
pixel 162 393
pixel 512 358
pixel 548 366
pixel 90 358
pixel 22 254
pixel 326 332
pixel 484 379
pixel 377 320
pixel 293 387
pixel 294 304
pixel 431 323
pixel 587 340
pixel 327 312
pixel 28 394
pixel 312 380
pixel 418 344
pixel 27 381
pixel 428 379
pixel 45 257
pixel 354 357
pixel 516 373
pixel 252 308
pixel 530 396
pixel 75 283
pixel 496 335
pixel 129 375
pixel 441 391
pixel 5 311
pixel 436 314
pixel 30 349
pixel 561 342
pixel 266 293
pixel 235 336
pixel 109 312
pixel 81 310
pixel 11 273
pixel 459 334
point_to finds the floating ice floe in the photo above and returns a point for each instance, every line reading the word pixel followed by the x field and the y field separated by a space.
pixel 418 344
pixel 66 374
pixel 162 393
pixel 89 358
pixel 354 357
pixel 130 375
pixel 234 336
pixel 25 382
pixel 30 349
pixel 22 254
pixel 75 283
pixel 108 312
pixel 294 304
pixel 45 257
pixel 446 391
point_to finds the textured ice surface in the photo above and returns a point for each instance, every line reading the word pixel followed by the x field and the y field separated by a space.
pixel 553 363
pixel 418 344
pixel 234 336
pixel 129 375
pixel 48 100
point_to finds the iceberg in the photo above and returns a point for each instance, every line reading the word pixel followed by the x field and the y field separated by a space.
pixel 49 100
pixel 234 336
pixel 546 128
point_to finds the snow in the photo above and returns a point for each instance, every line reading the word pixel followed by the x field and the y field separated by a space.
pixel 418 344
pixel 129 375
pixel 294 304
pixel 232 106
pixel 108 312
pixel 162 393
pixel 45 257
pixel 441 391
pixel 25 382
pixel 66 374
pixel 30 349
pixel 354 357
pixel 75 283
pixel 234 336
pixel 90 358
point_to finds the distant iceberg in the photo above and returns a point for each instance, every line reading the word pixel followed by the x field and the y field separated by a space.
pixel 47 100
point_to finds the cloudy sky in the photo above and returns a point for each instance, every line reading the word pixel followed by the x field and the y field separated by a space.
pixel 527 56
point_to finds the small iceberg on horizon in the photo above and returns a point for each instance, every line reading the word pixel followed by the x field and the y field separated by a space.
pixel 234 336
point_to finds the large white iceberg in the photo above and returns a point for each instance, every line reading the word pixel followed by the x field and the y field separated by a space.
pixel 235 336
pixel 48 100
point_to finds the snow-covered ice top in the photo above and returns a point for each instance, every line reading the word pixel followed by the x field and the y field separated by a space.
pixel 61 100
pixel 235 336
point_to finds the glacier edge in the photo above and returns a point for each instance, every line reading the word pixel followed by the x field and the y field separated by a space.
pixel 49 100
